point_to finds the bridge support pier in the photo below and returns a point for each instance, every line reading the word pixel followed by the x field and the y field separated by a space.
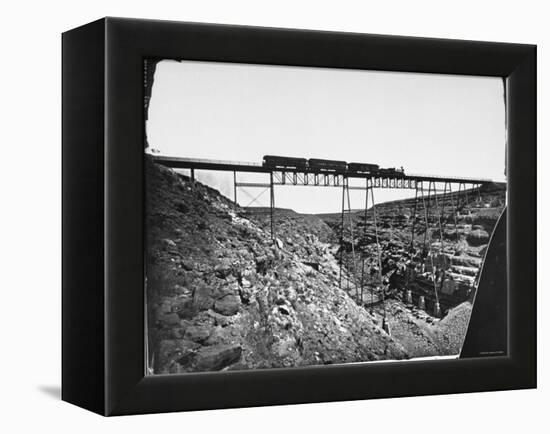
pixel 271 204
pixel 386 326
pixel 235 187
pixel 479 194
pixel 421 303
pixel 414 215
pixel 342 237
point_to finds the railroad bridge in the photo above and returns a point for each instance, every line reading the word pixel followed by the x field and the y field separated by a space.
pixel 428 188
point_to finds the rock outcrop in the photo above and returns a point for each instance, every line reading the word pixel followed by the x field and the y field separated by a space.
pixel 453 245
pixel 222 295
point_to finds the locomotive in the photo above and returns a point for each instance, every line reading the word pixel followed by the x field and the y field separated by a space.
pixel 332 166
pixel 392 171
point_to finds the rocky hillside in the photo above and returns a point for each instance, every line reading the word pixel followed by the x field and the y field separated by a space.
pixel 452 243
pixel 222 295
pixel 476 212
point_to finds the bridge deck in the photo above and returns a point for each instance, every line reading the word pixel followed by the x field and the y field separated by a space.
pixel 239 166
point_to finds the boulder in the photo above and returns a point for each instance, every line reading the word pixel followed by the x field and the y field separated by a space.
pixel 170 319
pixel 219 319
pixel 197 333
pixel 478 237
pixel 174 351
pixel 466 261
pixel 218 335
pixel 181 206
pixel 223 269
pixel 162 309
pixel 262 264
pixel 177 332
pixel 224 290
pixel 217 357
pixel 202 297
pixel 184 307
pixel 169 244
pixel 469 271
pixel 451 234
pixel 462 278
pixel 228 305
pixel 284 347
pixel 187 265
pixel 182 290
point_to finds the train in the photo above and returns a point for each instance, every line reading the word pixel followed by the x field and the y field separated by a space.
pixel 328 166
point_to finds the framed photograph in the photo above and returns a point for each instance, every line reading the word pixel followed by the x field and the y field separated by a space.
pixel 256 216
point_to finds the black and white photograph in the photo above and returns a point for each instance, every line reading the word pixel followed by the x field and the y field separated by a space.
pixel 275 217
pixel 301 216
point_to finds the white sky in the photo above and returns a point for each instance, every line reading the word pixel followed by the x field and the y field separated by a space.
pixel 428 123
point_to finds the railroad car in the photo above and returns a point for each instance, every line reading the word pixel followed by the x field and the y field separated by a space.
pixel 278 162
pixel 327 165
pixel 391 171
pixel 363 167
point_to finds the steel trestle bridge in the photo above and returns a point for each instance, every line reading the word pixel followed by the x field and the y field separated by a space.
pixel 308 176
pixel 323 178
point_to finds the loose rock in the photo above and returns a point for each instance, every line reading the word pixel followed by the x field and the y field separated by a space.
pixel 217 357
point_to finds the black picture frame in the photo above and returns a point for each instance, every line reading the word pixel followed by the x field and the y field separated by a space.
pixel 103 213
